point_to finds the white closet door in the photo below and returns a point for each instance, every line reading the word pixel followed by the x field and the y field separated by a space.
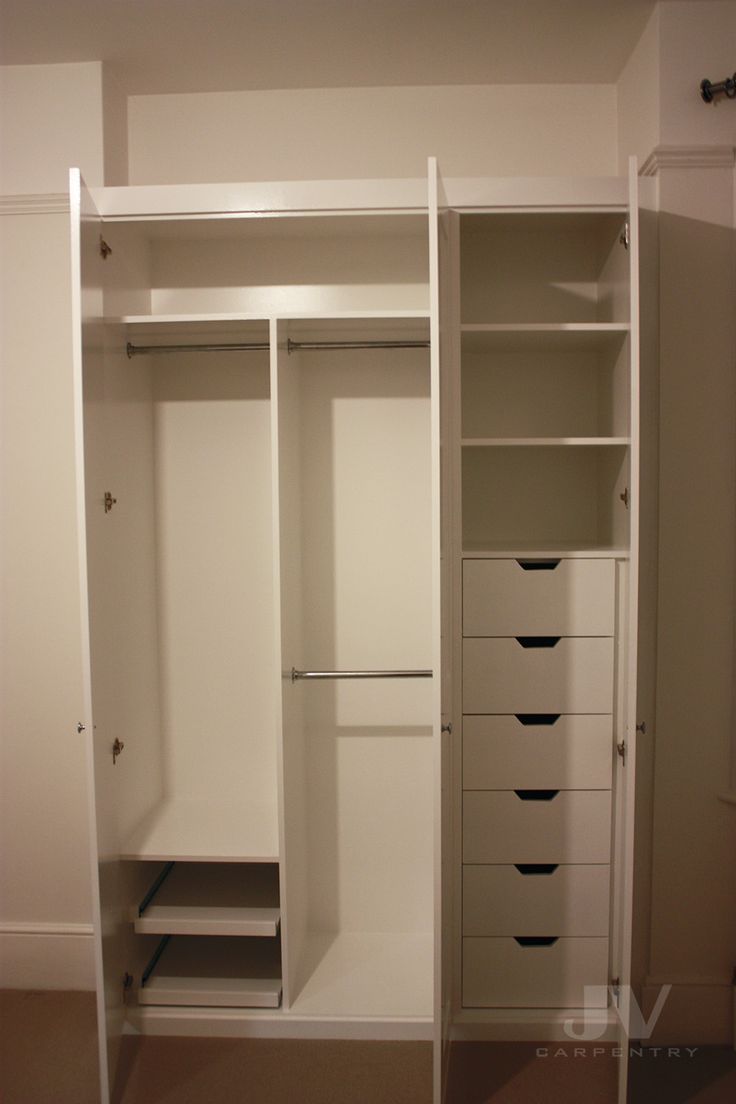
pixel 88 355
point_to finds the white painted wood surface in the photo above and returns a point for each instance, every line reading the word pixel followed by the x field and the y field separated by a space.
pixel 502 676
pixel 572 900
pixel 572 827
pixel 574 753
pixel 499 973
pixel 505 598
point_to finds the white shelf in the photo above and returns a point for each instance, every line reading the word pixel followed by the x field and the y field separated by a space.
pixel 490 337
pixel 235 318
pixel 572 550
pixel 207 920
pixel 542 442
pixel 207 831
pixel 212 992
pixel 367 974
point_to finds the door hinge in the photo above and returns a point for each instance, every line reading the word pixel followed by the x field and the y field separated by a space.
pixel 109 501
pixel 615 988
pixel 447 728
pixel 117 747
pixel 625 236
pixel 624 496
pixel 105 249
pixel 621 749
pixel 127 985
pixel 642 727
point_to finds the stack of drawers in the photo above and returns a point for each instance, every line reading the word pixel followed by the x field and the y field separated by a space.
pixel 538 670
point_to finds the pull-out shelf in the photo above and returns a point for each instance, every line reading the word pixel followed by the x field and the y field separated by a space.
pixel 211 899
pixel 213 972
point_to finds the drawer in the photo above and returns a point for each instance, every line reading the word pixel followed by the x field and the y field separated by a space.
pixel 500 826
pixel 527 900
pixel 565 675
pixel 501 973
pixel 538 597
pixel 573 752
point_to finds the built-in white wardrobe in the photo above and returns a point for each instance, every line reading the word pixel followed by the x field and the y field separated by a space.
pixel 358 489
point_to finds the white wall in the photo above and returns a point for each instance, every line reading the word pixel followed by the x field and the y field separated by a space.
pixel 638 97
pixel 509 130
pixel 50 119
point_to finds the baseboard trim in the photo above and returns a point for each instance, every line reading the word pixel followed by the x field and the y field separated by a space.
pixel 46 956
pixel 695 1013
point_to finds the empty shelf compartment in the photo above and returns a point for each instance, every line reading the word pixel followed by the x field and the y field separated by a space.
pixel 224 899
pixel 213 972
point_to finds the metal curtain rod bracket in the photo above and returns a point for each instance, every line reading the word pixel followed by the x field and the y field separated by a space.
pixel 296 676
pixel 221 347
pixel 727 87
pixel 295 346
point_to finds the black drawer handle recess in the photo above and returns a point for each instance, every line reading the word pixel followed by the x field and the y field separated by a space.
pixel 528 869
pixel 536 940
pixel 537 718
pixel 538 565
pixel 536 795
pixel 538 641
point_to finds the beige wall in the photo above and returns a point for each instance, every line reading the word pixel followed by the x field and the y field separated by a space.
pixel 337 133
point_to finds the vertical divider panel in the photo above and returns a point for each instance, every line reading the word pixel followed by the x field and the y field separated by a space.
pixel 444 528
pixel 287 543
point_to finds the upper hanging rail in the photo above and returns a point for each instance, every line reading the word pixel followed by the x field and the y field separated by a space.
pixel 296 676
pixel 263 346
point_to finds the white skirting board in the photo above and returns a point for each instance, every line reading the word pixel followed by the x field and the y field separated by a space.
pixel 46 956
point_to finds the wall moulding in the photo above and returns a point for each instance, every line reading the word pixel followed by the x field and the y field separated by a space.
pixel 50 203
pixel 688 157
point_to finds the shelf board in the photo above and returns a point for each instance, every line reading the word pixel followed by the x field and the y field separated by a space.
pixel 212 992
pixel 542 442
pixel 207 831
pixel 489 337
pixel 207 920
pixel 476 550
pixel 367 974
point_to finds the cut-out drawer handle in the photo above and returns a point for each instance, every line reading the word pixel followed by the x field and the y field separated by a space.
pixel 537 718
pixel 536 795
pixel 536 868
pixel 536 940
pixel 538 641
pixel 538 565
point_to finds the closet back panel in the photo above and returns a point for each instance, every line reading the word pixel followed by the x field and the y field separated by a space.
pixel 213 496
pixel 366 586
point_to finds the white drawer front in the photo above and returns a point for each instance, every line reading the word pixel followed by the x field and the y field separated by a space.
pixel 563 901
pixel 498 973
pixel 503 676
pixel 506 753
pixel 572 827
pixel 502 598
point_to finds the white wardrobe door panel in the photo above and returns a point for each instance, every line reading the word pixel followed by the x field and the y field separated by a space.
pixel 573 676
pixel 573 753
pixel 517 598
pixel 499 826
pixel 502 974
pixel 565 900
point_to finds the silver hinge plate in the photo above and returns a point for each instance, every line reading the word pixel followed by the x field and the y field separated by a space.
pixel 109 501
pixel 615 987
pixel 621 749
pixel 105 249
pixel 625 236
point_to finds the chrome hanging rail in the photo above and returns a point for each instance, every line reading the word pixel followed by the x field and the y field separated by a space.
pixel 263 346
pixel 727 87
pixel 296 676
pixel 221 347
pixel 295 346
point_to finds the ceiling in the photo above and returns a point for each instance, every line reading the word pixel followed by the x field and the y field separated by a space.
pixel 158 46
